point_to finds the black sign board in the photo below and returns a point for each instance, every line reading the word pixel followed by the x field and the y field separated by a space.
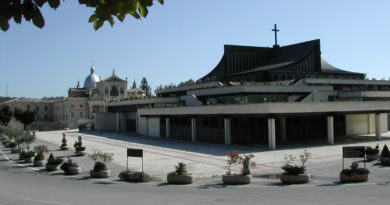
pixel 134 152
pixel 353 152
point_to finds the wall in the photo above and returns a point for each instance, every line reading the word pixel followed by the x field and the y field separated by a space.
pixel 358 124
pixel 141 126
pixel 154 127
pixel 105 121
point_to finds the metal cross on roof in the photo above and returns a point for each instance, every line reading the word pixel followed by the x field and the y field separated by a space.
pixel 276 30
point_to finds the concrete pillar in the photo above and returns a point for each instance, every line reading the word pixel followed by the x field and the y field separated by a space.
pixel 147 126
pixel 227 131
pixel 167 128
pixel 193 129
pixel 271 134
pixel 330 126
pixel 377 126
pixel 283 129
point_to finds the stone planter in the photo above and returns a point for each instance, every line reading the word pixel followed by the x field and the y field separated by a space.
pixel 179 179
pixel 385 161
pixel 372 157
pixel 28 159
pixel 353 178
pixel 51 167
pixel 14 150
pixel 80 153
pixel 100 174
pixel 295 179
pixel 73 170
pixel 236 179
pixel 38 163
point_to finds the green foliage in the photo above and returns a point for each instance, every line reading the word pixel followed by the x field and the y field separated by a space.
pixel 295 169
pixel 138 176
pixel 40 149
pixel 385 152
pixel 235 159
pixel 145 87
pixel 5 115
pixel 65 166
pixel 181 169
pixel 104 156
pixel 53 160
pixel 28 154
pixel 39 157
pixel 355 170
pixel 104 10
pixel 26 117
pixel 12 144
pixel 246 162
pixel 372 150
pixel 78 146
pixel 99 166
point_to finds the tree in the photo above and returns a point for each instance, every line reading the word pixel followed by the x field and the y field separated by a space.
pixel 134 85
pixel 5 115
pixel 105 10
pixel 26 117
pixel 145 86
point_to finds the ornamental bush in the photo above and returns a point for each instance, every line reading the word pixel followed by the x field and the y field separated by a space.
pixel 295 169
pixel 52 160
pixel 99 166
pixel 372 150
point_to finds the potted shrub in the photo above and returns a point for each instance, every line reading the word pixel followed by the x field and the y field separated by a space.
pixel 385 156
pixel 78 146
pixel 70 168
pixel 295 173
pixel 372 153
pixel 13 147
pixel 100 169
pixel 180 175
pixel 235 159
pixel 52 163
pixel 27 156
pixel 39 159
pixel 132 176
pixel 355 174
pixel 64 145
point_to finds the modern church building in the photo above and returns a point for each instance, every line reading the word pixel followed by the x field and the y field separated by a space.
pixel 260 96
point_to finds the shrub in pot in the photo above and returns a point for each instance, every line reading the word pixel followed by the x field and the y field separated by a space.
pixel 180 175
pixel 70 168
pixel 132 176
pixel 52 163
pixel 372 153
pixel 39 159
pixel 235 159
pixel 80 150
pixel 64 145
pixel 100 169
pixel 355 174
pixel 27 156
pixel 385 156
pixel 295 173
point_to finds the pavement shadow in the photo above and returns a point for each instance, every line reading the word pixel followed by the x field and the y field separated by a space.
pixel 104 183
pixel 215 186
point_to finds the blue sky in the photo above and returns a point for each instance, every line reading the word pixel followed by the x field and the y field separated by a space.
pixel 184 39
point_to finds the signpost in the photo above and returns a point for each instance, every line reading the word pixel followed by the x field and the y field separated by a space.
pixel 135 153
pixel 354 152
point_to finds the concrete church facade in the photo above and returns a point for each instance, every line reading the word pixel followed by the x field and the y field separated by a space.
pixel 259 95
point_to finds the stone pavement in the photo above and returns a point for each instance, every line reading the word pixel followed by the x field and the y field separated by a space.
pixel 204 161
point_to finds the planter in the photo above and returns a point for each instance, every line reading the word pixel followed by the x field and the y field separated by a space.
pixel 28 159
pixel 80 153
pixel 100 174
pixel 179 179
pixel 73 171
pixel 39 163
pixel 236 179
pixel 385 161
pixel 14 150
pixel 295 179
pixel 372 157
pixel 134 177
pixel 51 167
pixel 353 178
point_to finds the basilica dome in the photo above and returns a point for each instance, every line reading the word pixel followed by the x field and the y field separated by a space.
pixel 91 80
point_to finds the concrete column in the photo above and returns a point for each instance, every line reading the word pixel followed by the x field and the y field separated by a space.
pixel 227 131
pixel 330 126
pixel 147 126
pixel 193 129
pixel 283 129
pixel 167 128
pixel 271 134
pixel 377 126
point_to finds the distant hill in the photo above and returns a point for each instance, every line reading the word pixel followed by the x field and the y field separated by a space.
pixel 3 99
